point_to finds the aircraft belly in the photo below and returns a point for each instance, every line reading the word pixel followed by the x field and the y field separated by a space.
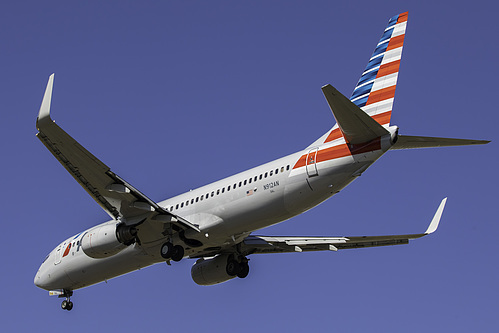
pixel 85 271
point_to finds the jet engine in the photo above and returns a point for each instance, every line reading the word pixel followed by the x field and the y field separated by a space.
pixel 106 240
pixel 206 272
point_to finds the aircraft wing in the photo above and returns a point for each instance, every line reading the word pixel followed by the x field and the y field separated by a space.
pixel 270 244
pixel 118 198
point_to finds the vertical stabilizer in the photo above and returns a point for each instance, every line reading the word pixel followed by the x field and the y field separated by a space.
pixel 375 90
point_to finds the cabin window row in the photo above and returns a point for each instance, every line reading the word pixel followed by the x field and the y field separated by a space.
pixel 228 188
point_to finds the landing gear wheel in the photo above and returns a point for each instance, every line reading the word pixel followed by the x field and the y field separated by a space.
pixel 244 270
pixel 67 305
pixel 233 267
pixel 177 253
pixel 167 250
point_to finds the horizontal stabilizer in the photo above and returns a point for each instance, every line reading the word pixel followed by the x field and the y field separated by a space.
pixel 355 125
pixel 412 142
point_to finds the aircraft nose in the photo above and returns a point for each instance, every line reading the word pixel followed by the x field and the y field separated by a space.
pixel 39 281
pixel 42 277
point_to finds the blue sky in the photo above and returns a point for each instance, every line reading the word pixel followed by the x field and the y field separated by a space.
pixel 174 95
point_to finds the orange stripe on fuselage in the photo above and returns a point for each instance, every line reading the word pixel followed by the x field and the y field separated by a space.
pixel 335 134
pixel 340 151
pixel 301 162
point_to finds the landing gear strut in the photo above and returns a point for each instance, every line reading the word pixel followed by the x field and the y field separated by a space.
pixel 67 304
pixel 173 252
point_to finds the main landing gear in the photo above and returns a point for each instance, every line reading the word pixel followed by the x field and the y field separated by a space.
pixel 173 252
pixel 237 266
pixel 67 304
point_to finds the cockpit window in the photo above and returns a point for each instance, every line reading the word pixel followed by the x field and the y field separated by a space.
pixel 48 255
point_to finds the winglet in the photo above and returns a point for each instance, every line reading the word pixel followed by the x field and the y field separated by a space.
pixel 436 218
pixel 44 113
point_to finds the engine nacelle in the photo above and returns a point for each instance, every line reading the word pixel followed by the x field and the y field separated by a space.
pixel 206 272
pixel 107 240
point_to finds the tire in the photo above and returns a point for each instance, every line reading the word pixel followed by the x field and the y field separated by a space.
pixel 177 253
pixel 244 271
pixel 64 305
pixel 167 250
pixel 69 306
pixel 232 268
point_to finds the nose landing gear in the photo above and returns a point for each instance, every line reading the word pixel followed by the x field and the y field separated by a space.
pixel 67 304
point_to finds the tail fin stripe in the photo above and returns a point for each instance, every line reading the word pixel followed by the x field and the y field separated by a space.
pixel 362 90
pixel 379 50
pixel 386 35
pixel 381 95
pixel 395 42
pixel 392 55
pixel 389 68
pixel 373 63
pixel 383 118
pixel 361 102
pixel 385 82
pixel 379 107
pixel 366 78
pixel 377 84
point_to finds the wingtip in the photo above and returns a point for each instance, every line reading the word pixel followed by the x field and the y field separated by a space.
pixel 436 218
pixel 44 113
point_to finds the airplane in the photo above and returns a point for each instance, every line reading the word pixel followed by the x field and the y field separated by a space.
pixel 214 224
